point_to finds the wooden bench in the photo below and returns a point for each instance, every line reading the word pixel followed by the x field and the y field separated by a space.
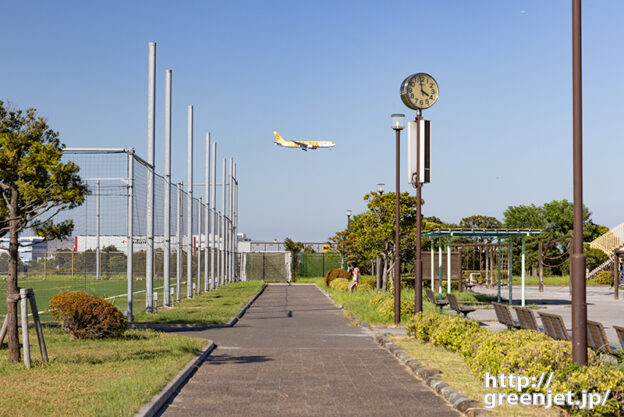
pixel 597 338
pixel 554 326
pixel 452 299
pixel 431 297
pixel 503 314
pixel 526 318
pixel 620 334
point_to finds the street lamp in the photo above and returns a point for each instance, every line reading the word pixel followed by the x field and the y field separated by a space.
pixel 380 187
pixel 349 212
pixel 398 123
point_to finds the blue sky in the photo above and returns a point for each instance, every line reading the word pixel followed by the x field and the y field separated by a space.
pixel 501 129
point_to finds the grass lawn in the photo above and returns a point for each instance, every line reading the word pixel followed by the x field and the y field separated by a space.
pixel 108 377
pixel 457 374
pixel 214 307
pixel 552 280
pixel 358 302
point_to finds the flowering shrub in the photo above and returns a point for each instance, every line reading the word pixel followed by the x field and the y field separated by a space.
pixel 85 316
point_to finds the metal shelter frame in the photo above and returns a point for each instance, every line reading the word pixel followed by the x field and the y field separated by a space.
pixel 499 234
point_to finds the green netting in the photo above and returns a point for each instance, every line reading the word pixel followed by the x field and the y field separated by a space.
pixel 316 264
pixel 268 267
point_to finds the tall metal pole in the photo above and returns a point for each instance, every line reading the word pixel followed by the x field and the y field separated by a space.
pixel 223 214
pixel 130 238
pixel 397 241
pixel 207 212
pixel 167 214
pixel 235 222
pixel 220 244
pixel 151 128
pixel 213 215
pixel 180 236
pixel 199 245
pixel 418 263
pixel 231 210
pixel 97 230
pixel 577 257
pixel 189 226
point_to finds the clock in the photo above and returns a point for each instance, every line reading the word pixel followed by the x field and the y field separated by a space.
pixel 419 91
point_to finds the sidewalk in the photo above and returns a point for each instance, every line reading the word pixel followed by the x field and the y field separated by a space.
pixel 294 354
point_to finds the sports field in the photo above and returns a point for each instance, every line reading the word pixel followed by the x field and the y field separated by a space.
pixel 118 288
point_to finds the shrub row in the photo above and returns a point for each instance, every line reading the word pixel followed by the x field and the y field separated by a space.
pixel 522 352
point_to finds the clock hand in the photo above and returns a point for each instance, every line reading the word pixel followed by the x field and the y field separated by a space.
pixel 423 91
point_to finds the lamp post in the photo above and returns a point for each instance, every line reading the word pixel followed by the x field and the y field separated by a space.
pixel 577 257
pixel 349 212
pixel 398 123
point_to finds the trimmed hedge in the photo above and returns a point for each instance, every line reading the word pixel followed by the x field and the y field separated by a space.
pixel 522 352
pixel 332 274
pixel 86 316
pixel 339 284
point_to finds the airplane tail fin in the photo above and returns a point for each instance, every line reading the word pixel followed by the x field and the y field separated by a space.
pixel 278 138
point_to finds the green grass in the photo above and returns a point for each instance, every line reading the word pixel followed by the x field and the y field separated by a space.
pixel 458 374
pixel 358 302
pixel 214 307
pixel 108 377
pixel 552 280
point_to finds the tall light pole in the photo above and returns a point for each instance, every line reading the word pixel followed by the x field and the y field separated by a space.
pixel 577 257
pixel 398 123
pixel 349 212
pixel 378 278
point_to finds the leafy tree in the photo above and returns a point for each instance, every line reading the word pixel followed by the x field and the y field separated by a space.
pixel 294 248
pixel 35 186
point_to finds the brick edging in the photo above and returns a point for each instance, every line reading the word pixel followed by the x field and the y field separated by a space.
pixel 463 404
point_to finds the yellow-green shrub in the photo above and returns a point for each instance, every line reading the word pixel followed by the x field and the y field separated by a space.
pixel 455 332
pixel 386 308
pixel 603 278
pixel 594 379
pixel 367 283
pixel 339 284
pixel 379 298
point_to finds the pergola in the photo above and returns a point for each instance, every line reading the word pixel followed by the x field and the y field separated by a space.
pixel 498 234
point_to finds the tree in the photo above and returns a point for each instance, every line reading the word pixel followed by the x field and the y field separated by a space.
pixel 294 248
pixel 35 186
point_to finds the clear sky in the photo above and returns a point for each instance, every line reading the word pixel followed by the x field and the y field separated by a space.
pixel 501 129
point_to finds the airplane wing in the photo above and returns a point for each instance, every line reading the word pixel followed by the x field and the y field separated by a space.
pixel 303 145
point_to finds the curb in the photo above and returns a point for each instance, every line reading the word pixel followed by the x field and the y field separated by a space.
pixel 159 400
pixel 191 327
pixel 460 402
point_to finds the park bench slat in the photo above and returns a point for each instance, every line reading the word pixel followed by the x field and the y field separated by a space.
pixel 596 337
pixel 455 305
pixel 431 297
pixel 526 318
pixel 504 315
pixel 620 334
pixel 554 326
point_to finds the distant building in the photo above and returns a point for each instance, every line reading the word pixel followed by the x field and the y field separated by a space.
pixel 264 246
pixel 34 247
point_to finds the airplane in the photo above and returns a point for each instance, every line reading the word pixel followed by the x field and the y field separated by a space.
pixel 304 145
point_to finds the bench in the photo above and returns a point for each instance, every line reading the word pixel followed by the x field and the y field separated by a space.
pixel 452 299
pixel 526 318
pixel 596 337
pixel 554 326
pixel 620 334
pixel 503 314
pixel 431 297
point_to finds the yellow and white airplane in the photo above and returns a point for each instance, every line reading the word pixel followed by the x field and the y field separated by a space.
pixel 304 145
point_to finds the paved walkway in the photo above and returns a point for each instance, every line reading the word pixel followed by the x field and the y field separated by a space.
pixel 294 354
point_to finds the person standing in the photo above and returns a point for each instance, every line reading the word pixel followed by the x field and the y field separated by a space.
pixel 355 281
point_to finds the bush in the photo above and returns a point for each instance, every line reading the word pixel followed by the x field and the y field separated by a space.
pixel 386 308
pixel 603 278
pixel 377 299
pixel 85 316
pixel 332 274
pixel 339 284
pixel 367 283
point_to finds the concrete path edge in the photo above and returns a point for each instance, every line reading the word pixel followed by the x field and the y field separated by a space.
pixel 153 406
pixel 159 400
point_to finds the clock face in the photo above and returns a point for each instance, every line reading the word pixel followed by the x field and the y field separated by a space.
pixel 419 91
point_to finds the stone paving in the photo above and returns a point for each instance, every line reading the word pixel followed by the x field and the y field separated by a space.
pixel 294 354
